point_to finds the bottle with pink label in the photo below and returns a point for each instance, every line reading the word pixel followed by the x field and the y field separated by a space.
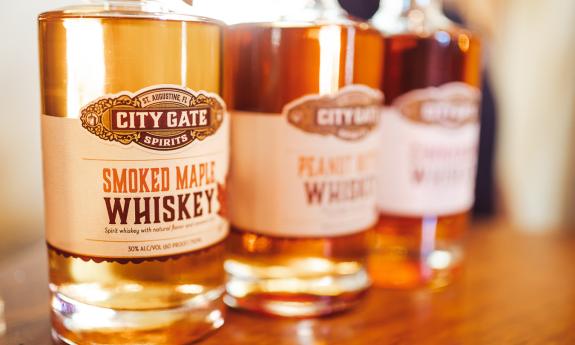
pixel 428 156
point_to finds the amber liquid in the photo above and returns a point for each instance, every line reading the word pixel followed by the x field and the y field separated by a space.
pixel 83 57
pixel 400 258
pixel 267 66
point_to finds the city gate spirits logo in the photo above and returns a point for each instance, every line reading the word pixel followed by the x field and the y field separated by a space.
pixel 350 114
pixel 160 118
pixel 451 105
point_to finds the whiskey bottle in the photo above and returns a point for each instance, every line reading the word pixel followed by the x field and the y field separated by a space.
pixel 302 92
pixel 135 145
pixel 430 130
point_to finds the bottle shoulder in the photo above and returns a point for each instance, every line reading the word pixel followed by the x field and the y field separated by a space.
pixel 417 21
pixel 287 24
pixel 124 10
pixel 451 31
pixel 424 29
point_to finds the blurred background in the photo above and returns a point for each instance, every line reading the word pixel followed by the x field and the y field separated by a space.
pixel 527 163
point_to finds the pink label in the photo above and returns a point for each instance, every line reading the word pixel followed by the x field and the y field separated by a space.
pixel 428 154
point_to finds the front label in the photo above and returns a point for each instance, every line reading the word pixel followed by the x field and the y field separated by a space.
pixel 137 175
pixel 310 171
pixel 428 153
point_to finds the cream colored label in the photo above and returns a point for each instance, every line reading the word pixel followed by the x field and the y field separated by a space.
pixel 310 171
pixel 113 198
pixel 428 154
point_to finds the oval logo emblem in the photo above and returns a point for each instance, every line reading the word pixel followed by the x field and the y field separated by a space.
pixel 160 118
pixel 350 114
pixel 452 105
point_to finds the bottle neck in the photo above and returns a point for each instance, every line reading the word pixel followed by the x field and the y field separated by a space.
pixel 425 5
pixel 404 7
pixel 326 4
pixel 327 8
pixel 313 10
pixel 410 15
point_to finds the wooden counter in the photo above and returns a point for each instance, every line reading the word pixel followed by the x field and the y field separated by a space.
pixel 517 288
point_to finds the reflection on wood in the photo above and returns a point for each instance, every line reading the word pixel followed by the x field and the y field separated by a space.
pixel 516 289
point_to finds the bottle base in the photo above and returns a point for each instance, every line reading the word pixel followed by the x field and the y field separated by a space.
pixel 439 270
pixel 74 322
pixel 292 296
pixel 294 306
pixel 417 252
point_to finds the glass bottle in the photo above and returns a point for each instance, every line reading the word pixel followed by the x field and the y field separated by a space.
pixel 430 133
pixel 302 176
pixel 135 146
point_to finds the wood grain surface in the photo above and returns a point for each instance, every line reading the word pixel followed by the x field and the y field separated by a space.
pixel 517 288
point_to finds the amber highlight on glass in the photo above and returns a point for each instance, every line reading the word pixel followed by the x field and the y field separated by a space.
pixel 267 66
pixel 425 250
pixel 170 301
